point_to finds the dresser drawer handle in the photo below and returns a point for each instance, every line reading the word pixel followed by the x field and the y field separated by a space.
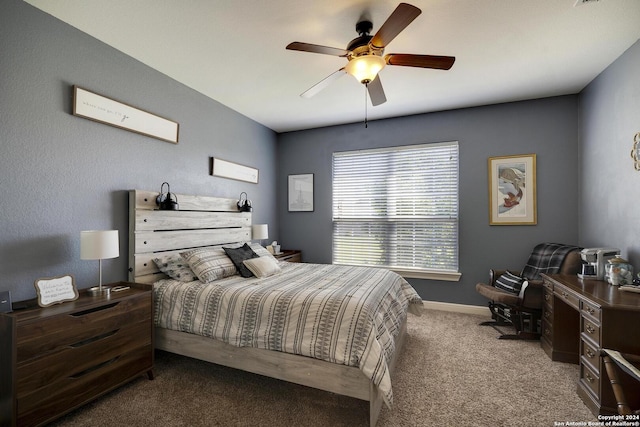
pixel 93 310
pixel 565 295
pixel 590 310
pixel 93 339
pixel 590 353
pixel 93 368
pixel 589 378
pixel 590 329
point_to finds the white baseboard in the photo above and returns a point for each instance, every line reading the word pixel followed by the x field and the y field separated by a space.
pixel 458 308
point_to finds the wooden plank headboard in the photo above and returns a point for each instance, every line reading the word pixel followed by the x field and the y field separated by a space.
pixel 202 221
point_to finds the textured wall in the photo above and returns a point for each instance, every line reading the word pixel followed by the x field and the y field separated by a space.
pixel 610 186
pixel 547 127
pixel 61 174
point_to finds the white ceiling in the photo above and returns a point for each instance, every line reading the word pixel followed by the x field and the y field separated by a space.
pixel 233 51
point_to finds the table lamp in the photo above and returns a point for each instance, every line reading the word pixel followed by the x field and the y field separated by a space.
pixel 99 244
pixel 259 232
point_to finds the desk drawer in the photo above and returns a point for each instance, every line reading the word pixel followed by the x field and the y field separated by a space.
pixel 591 330
pixel 590 380
pixel 591 355
pixel 568 297
pixel 591 310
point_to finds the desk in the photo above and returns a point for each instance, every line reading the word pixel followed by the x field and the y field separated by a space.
pixel 579 318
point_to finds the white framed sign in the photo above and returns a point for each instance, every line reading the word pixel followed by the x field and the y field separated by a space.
pixel 114 113
pixel 55 290
pixel 231 170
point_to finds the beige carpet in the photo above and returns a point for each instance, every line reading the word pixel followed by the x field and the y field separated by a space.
pixel 452 372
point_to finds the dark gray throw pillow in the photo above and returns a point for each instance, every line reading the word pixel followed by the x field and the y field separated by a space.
pixel 238 255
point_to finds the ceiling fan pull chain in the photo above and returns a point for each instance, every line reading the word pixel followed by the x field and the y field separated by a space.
pixel 366 89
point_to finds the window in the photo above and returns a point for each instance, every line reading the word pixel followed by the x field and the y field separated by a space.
pixel 397 208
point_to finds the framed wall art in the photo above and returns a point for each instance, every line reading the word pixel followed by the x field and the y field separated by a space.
pixel 512 190
pixel 105 110
pixel 226 169
pixel 301 193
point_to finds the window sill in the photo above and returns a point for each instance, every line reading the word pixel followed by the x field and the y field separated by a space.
pixel 431 275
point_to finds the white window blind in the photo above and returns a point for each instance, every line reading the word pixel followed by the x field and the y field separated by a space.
pixel 397 207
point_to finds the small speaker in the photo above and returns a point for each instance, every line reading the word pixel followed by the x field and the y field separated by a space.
pixel 5 302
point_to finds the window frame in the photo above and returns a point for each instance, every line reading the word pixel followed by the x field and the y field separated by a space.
pixel 380 223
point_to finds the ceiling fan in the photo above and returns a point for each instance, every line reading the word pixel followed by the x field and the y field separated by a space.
pixel 365 54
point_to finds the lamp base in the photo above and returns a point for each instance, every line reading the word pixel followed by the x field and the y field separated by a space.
pixel 99 291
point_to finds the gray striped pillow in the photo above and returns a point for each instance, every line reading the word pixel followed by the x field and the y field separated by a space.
pixel 209 264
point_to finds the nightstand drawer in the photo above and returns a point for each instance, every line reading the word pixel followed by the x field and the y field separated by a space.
pixel 74 327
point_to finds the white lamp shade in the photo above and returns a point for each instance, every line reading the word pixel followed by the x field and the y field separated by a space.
pixel 259 231
pixel 99 244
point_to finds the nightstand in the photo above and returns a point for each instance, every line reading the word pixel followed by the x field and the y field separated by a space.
pixel 57 358
pixel 289 256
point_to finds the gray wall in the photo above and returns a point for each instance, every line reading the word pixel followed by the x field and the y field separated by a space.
pixel 610 186
pixel 546 127
pixel 61 174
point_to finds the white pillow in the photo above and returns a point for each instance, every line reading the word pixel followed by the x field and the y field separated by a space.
pixel 262 266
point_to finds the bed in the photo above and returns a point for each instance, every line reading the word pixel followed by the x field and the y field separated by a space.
pixel 342 344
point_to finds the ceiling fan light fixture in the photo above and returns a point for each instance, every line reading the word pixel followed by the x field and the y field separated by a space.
pixel 365 68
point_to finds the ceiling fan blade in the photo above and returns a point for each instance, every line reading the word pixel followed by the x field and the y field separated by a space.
pixel 421 61
pixel 323 83
pixel 376 93
pixel 398 21
pixel 315 48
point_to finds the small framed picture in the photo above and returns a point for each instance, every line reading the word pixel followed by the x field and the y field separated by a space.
pixel 56 290
pixel 301 193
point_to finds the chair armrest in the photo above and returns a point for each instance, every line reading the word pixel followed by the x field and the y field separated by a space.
pixel 531 297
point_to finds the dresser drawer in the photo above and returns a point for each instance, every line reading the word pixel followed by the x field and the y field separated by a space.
pixel 591 355
pixel 71 362
pixel 41 405
pixel 590 379
pixel 591 330
pixel 591 310
pixel 41 336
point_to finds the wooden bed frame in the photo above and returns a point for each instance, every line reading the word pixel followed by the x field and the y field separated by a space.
pixel 212 221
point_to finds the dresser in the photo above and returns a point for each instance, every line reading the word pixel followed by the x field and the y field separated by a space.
pixel 579 318
pixel 57 358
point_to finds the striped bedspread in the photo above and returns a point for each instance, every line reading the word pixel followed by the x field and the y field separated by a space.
pixel 340 314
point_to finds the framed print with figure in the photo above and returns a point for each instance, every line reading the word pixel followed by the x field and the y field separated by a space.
pixel 301 193
pixel 512 190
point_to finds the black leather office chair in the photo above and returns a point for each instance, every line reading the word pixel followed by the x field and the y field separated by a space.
pixel 515 298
